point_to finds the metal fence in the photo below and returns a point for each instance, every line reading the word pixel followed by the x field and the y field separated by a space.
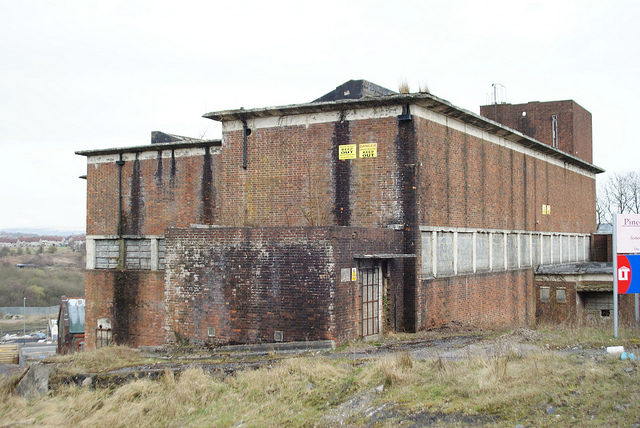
pixel 30 310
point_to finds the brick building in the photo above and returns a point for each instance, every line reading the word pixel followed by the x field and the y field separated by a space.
pixel 360 212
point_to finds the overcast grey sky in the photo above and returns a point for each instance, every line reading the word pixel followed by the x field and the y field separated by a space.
pixel 87 74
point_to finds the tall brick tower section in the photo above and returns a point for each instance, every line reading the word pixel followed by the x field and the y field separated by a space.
pixel 564 125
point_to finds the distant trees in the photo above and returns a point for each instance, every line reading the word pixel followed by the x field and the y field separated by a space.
pixel 41 287
pixel 620 194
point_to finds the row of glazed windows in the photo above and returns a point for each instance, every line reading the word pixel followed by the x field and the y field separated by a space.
pixel 137 253
pixel 448 252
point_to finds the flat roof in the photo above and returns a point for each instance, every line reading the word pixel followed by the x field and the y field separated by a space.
pixel 576 268
pixel 151 147
pixel 426 100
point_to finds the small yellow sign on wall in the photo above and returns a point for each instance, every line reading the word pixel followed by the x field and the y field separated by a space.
pixel 354 274
pixel 346 151
pixel 369 150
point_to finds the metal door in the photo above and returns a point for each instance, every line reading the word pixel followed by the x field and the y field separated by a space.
pixel 369 281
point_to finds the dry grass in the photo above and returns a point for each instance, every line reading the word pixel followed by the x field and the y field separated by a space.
pixel 403 87
pixel 588 337
pixel 98 360
pixel 540 389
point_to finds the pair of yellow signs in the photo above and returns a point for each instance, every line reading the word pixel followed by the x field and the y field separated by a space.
pixel 348 151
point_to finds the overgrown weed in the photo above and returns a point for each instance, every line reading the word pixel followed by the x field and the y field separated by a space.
pixel 100 359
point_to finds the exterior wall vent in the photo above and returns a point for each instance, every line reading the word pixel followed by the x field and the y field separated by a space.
pixel 278 336
pixel 211 332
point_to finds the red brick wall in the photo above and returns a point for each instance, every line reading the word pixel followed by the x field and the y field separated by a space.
pixel 425 173
pixel 601 248
pixel 571 313
pixel 157 193
pixel 488 299
pixel 574 123
pixel 294 177
pixel 132 300
pixel 583 147
pixel 554 311
pixel 468 182
pixel 250 282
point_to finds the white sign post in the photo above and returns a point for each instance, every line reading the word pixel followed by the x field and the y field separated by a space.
pixel 625 240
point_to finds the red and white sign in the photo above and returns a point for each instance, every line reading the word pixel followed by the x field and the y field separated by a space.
pixel 624 274
pixel 628 234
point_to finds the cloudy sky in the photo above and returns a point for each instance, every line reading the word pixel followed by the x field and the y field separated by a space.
pixel 96 74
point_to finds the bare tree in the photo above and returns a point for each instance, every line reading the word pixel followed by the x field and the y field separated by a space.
pixel 620 194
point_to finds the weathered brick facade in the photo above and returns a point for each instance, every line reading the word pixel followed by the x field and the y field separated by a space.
pixel 587 300
pixel 279 214
pixel 481 299
pixel 573 123
pixel 247 283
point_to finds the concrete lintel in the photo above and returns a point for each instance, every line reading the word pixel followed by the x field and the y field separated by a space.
pixel 384 256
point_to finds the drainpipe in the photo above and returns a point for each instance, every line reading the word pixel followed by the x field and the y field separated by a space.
pixel 245 133
pixel 120 164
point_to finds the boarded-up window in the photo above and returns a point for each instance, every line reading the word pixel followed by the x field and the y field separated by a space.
pixel 161 252
pixel 561 295
pixel 565 248
pixel 497 251
pixel 536 243
pixel 586 248
pixel 107 253
pixel 572 248
pixel 482 252
pixel 445 253
pixel 512 250
pixel 138 253
pixel 544 294
pixel 546 249
pixel 427 254
pixel 525 249
pixel 465 252
pixel 556 248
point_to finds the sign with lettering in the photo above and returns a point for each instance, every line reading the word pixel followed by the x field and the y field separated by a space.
pixel 628 233
pixel 369 150
pixel 346 151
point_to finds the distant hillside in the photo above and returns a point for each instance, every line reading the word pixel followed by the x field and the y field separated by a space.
pixel 48 274
pixel 18 232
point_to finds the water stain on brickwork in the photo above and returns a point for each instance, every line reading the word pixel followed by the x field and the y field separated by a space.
pixel 173 169
pixel 251 286
pixel 535 195
pixel 207 190
pixel 525 191
pixel 465 174
pixel 124 309
pixel 406 144
pixel 513 190
pixel 483 174
pixel 447 166
pixel 134 218
pixel 341 173
pixel 159 169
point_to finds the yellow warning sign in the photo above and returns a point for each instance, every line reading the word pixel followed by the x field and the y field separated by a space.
pixel 369 150
pixel 354 274
pixel 346 151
